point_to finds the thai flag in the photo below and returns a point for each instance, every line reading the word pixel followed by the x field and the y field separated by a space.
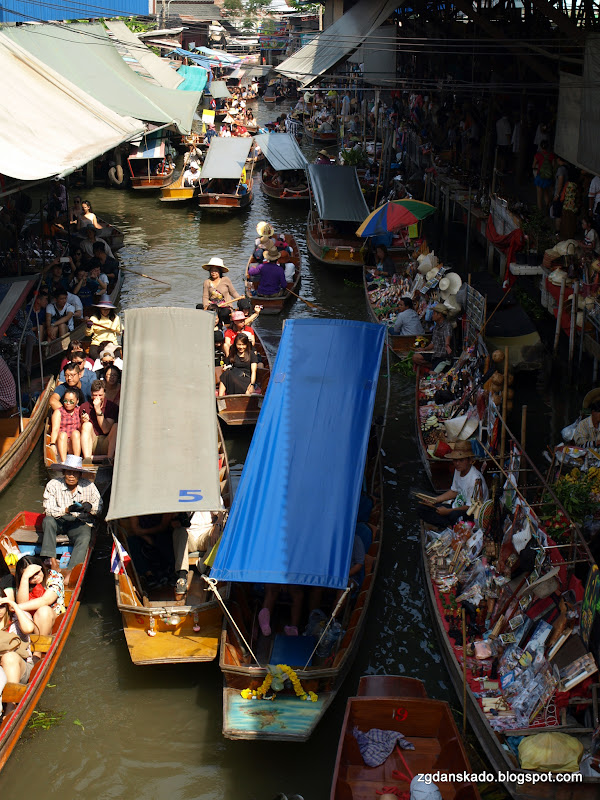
pixel 118 558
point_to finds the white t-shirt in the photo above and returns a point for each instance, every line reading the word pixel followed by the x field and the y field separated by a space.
pixel 97 367
pixel 73 300
pixel 465 486
pixel 290 271
pixel 594 191
pixel 591 237
pixel 55 312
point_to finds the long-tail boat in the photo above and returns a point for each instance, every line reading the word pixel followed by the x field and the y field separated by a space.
pixel 221 180
pixel 243 409
pixel 282 538
pixel 398 704
pixel 338 205
pixel 275 304
pixel 538 602
pixel 149 167
pixel 167 346
pixel 176 192
pixel 283 154
pixel 320 137
pixel 24 532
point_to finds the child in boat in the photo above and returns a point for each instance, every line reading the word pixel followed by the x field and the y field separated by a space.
pixel 65 431
pixel 40 591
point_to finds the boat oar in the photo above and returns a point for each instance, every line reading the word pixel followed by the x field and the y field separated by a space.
pixel 308 302
pixel 126 269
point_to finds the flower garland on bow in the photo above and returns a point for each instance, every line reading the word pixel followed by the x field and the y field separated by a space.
pixel 275 680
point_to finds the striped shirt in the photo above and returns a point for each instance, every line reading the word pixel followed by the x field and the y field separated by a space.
pixel 292 126
pixel 58 497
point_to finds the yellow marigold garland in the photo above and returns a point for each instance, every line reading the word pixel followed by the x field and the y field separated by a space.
pixel 258 694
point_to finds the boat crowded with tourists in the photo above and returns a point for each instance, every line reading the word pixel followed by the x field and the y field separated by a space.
pixel 225 185
pixel 243 409
pixel 338 207
pixel 298 543
pixel 285 176
pixel 178 434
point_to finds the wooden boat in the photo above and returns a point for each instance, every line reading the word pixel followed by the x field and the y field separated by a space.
pixel 271 96
pixel 282 193
pixel 316 137
pixel 159 629
pixel 243 409
pixel 176 192
pixel 395 703
pixel 25 529
pixel 57 347
pixel 224 202
pixel 341 252
pixel 400 346
pixel 573 565
pixel 113 236
pixel 275 305
pixel 16 445
pixel 148 165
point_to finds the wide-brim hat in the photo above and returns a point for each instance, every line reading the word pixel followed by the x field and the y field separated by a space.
pixel 215 263
pixel 452 305
pixel 591 397
pixel 441 309
pixel 71 462
pixel 462 449
pixel 104 302
pixel 324 153
pixel 450 283
pixel 271 255
pixel 432 273
pixel 264 229
pixel 461 428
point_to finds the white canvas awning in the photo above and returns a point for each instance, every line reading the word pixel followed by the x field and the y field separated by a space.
pixel 281 150
pixel 218 89
pixel 167 447
pixel 86 57
pixel 226 158
pixel 67 125
pixel 343 37
pixel 157 67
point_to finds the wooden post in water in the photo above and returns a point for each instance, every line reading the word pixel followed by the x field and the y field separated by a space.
pixel 504 410
pixel 561 302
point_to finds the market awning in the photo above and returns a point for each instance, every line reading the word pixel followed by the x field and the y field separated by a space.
pixel 281 151
pixel 150 147
pixel 337 193
pixel 218 90
pixel 294 513
pixel 194 79
pixel 346 34
pixel 84 55
pixel 167 447
pixel 68 126
pixel 226 158
pixel 159 69
pixel 13 292
pixel 219 55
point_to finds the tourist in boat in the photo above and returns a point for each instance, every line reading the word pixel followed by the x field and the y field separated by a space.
pixel 217 288
pixel 220 358
pixel 239 374
pixel 270 273
pixel 194 155
pixel 99 419
pixel 109 354
pixel 238 324
pixel 468 486
pixel 85 370
pixel 40 591
pixel 15 665
pixel 70 503
pixel 75 347
pixel 322 157
pixel 211 132
pixel 109 267
pixel 87 244
pixel 591 241
pixel 8 388
pixel 104 326
pixel 239 130
pixel 407 322
pixel 587 432
pixel 65 428
pixel 244 305
pixel 440 347
pixel 74 379
pixel 59 316
pixel 225 133
pixel 112 380
pixel 36 313
pixel 87 217
pixel 191 177
pixel 95 274
pixel 250 118
pixel 55 279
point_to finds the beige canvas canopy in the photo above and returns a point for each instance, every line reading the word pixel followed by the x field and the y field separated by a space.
pixel 167 447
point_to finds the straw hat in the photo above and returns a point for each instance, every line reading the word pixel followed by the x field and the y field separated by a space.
pixel 441 309
pixel 272 254
pixel 450 283
pixel 267 242
pixel 462 427
pixel 71 462
pixel 104 302
pixel 432 273
pixel 591 397
pixel 452 305
pixel 462 449
pixel 324 153
pixel 215 262
pixel 264 229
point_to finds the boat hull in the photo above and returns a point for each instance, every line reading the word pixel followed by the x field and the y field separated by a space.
pixel 333 252
pixel 224 203
pixel 150 183
pixel 279 193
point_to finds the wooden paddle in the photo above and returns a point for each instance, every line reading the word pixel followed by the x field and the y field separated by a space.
pixel 308 302
pixel 126 269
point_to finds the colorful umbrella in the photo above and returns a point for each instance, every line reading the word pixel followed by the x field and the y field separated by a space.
pixel 393 215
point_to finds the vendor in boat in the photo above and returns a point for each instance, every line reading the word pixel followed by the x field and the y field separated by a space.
pixel 440 346
pixel 238 324
pixel 271 594
pixel 587 432
pixel 76 377
pixel 270 273
pixel 384 264
pixel 217 288
pixel 322 157
pixel 70 503
pixel 468 487
pixel 407 322
pixel 191 177
pixel 193 155
pixel 196 534
pixel 239 373
pixel 103 326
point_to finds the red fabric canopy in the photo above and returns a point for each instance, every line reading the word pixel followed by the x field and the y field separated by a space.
pixel 509 244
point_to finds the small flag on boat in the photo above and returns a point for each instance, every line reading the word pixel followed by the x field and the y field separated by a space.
pixel 118 558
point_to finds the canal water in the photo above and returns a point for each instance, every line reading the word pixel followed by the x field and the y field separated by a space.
pixel 126 731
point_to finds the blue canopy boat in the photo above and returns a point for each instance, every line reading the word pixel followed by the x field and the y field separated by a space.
pixel 310 483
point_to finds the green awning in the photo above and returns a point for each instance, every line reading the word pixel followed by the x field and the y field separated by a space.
pixel 84 54
pixel 194 79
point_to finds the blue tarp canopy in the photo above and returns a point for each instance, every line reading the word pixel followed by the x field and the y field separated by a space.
pixel 219 56
pixel 194 79
pixel 294 514
pixel 202 61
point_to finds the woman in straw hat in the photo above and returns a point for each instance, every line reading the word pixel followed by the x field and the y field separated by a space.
pixel 467 487
pixel 104 326
pixel 217 288
pixel 440 346
pixel 270 273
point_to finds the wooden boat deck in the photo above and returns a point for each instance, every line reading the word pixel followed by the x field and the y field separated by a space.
pixel 284 194
pixel 176 192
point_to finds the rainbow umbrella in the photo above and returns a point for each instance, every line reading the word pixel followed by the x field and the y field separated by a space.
pixel 393 215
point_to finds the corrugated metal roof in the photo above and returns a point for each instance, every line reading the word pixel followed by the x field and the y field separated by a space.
pixel 195 10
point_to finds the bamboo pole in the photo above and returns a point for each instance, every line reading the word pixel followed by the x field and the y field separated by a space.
pixel 523 426
pixel 573 327
pixel 464 644
pixel 561 302
pixel 504 402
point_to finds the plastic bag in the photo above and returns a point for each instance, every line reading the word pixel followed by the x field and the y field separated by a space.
pixel 551 752
pixel 568 433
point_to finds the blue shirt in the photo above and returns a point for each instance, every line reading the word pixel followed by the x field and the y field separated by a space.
pixel 86 385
